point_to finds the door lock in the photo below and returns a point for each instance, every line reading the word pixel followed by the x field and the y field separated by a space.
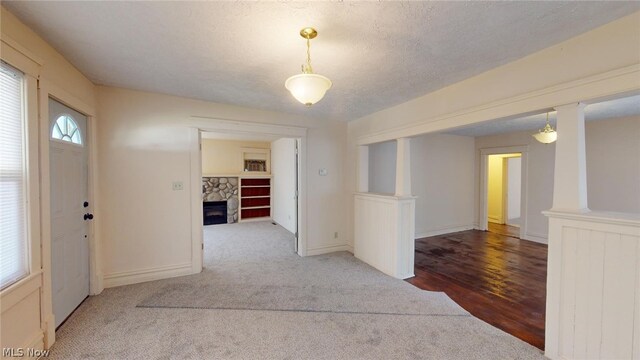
pixel 88 216
pixel 85 204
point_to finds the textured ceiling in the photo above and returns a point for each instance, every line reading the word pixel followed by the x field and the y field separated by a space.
pixel 612 109
pixel 378 54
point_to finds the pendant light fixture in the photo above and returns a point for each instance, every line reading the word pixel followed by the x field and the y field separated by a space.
pixel 308 88
pixel 546 135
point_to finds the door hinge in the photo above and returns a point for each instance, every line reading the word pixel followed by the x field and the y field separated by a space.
pixel 202 246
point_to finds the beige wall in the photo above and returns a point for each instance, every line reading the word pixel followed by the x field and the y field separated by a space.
pixel 26 307
pixel 224 157
pixel 144 145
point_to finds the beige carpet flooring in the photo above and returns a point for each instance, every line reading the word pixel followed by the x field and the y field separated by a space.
pixel 256 299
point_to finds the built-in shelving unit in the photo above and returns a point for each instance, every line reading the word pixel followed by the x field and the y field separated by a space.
pixel 255 198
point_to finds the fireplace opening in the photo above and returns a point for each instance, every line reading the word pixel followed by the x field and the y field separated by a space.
pixel 214 212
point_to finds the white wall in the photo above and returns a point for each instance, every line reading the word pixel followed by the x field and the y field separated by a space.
pixel 514 182
pixel 283 170
pixel 613 165
pixel 442 168
pixel 146 225
pixel 382 167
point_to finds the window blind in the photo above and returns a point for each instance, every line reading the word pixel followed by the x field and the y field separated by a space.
pixel 13 231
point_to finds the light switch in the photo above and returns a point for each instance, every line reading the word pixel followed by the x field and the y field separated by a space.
pixel 323 172
pixel 177 185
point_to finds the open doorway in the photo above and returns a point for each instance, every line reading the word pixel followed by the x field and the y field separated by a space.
pixel 249 178
pixel 504 193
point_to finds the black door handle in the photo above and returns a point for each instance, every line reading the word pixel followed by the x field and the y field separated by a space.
pixel 88 216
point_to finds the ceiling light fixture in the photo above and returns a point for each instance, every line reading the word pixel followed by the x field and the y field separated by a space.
pixel 308 88
pixel 546 135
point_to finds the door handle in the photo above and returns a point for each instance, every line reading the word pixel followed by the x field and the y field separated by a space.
pixel 88 216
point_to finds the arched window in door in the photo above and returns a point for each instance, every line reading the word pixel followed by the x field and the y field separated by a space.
pixel 66 129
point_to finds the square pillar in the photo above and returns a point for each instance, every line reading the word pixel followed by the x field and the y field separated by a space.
pixel 403 167
pixel 362 169
pixel 570 176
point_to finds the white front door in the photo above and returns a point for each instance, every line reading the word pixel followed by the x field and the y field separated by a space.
pixel 69 209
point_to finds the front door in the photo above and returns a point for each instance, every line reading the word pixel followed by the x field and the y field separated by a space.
pixel 69 209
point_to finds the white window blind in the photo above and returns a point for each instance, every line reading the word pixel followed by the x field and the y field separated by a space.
pixel 13 231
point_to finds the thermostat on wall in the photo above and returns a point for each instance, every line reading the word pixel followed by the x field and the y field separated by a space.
pixel 323 172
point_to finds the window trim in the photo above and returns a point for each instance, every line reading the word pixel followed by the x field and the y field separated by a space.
pixel 30 68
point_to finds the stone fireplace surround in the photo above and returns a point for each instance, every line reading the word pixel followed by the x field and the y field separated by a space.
pixel 222 188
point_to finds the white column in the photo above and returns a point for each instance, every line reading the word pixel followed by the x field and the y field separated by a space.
pixel 403 167
pixel 570 177
pixel 363 169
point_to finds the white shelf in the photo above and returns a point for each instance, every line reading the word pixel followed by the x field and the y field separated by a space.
pixel 264 218
pixel 256 207
pixel 256 197
pixel 256 186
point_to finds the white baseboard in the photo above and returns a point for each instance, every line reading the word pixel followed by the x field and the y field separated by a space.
pixel 329 249
pixel 407 276
pixel 539 238
pixel 149 274
pixel 49 325
pixel 446 230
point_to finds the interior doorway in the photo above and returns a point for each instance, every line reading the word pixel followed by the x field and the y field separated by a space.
pixel 503 210
pixel 504 192
pixel 250 178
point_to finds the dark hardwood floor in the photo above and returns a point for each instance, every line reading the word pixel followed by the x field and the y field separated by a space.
pixel 497 278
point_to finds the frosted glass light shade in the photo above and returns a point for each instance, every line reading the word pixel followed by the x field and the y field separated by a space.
pixel 308 88
pixel 547 135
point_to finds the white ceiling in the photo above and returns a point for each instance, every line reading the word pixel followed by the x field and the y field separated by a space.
pixel 612 109
pixel 377 54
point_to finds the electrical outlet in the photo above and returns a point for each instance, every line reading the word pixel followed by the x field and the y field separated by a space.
pixel 335 235
pixel 323 172
pixel 177 185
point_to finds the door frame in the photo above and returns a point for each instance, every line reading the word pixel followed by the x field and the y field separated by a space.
pixel 199 124
pixel 48 90
pixel 483 219
pixel 506 188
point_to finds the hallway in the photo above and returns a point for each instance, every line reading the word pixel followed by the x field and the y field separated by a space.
pixel 496 277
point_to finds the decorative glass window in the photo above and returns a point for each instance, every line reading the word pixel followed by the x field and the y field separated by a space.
pixel 66 129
